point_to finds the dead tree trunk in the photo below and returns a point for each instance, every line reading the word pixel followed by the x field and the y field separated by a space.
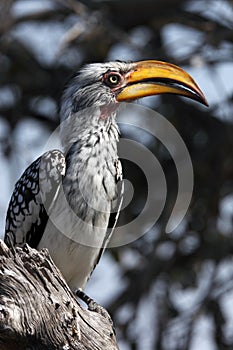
pixel 38 311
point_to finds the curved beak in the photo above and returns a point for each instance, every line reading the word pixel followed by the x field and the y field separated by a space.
pixel 155 77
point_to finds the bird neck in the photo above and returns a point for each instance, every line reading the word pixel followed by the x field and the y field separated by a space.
pixel 98 141
pixel 91 163
pixel 84 126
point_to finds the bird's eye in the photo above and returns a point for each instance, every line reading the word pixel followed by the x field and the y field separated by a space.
pixel 112 79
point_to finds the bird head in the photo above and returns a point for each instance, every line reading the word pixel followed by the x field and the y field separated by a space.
pixel 103 84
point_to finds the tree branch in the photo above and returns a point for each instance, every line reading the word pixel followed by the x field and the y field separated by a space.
pixel 38 310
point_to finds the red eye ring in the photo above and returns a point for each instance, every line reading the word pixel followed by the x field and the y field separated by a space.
pixel 112 79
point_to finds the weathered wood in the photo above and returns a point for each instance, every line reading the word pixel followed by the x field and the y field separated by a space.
pixel 38 310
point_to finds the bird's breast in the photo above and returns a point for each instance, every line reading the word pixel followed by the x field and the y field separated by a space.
pixel 79 216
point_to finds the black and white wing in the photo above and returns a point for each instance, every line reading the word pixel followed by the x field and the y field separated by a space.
pixel 33 195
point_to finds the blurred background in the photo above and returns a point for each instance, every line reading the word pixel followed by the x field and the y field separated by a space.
pixel 165 291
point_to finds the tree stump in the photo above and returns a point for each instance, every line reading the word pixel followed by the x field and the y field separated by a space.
pixel 38 311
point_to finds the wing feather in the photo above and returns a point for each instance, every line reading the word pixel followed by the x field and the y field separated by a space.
pixel 33 195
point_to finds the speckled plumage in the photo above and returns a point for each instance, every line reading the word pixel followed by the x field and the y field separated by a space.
pixel 27 201
pixel 85 177
pixel 65 202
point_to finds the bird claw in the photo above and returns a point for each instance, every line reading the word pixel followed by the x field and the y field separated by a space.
pixel 92 305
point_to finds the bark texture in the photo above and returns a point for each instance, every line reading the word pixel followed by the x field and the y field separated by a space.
pixel 39 311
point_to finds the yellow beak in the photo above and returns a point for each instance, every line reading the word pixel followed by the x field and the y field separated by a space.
pixel 156 77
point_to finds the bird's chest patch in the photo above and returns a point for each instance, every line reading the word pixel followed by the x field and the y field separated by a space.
pixel 107 110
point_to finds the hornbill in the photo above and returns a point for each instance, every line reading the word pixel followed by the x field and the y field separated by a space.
pixel 83 182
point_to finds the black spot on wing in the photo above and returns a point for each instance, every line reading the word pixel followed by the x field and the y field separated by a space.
pixel 37 228
pixel 33 194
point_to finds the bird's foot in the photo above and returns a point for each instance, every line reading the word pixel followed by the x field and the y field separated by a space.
pixel 92 305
